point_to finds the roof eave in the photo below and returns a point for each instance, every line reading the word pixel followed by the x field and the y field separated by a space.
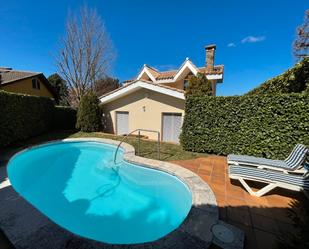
pixel 139 84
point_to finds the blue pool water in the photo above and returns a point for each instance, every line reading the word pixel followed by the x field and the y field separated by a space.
pixel 75 185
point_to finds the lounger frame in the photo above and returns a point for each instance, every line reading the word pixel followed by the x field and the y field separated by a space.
pixel 270 185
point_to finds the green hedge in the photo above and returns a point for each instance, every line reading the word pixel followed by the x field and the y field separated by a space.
pixel 23 116
pixel 259 125
pixel 64 118
pixel 89 114
pixel 294 80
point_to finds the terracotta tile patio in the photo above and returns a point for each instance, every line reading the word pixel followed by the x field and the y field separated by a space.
pixel 261 218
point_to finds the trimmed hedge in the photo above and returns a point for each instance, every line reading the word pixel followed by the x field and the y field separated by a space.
pixel 294 80
pixel 23 116
pixel 258 125
pixel 64 118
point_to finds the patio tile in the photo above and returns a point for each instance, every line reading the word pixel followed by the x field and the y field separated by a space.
pixel 253 201
pixel 250 240
pixel 217 188
pixel 205 178
pixel 236 202
pixel 263 211
pixel 234 191
pixel 221 200
pixel 261 218
pixel 264 240
pixel 239 216
pixel 218 179
pixel 206 172
pixel 264 223
pixel 285 228
pixel 206 167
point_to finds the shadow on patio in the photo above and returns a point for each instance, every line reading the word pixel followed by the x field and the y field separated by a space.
pixel 261 218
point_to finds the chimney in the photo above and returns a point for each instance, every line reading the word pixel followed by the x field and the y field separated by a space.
pixel 210 55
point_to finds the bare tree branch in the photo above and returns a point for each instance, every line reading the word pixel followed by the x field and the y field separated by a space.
pixel 301 43
pixel 86 52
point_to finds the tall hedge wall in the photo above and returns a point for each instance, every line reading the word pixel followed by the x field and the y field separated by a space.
pixel 261 125
pixel 294 80
pixel 23 116
pixel 64 118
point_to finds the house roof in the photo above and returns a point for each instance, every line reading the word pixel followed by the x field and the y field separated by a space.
pixel 157 76
pixel 139 84
pixel 9 76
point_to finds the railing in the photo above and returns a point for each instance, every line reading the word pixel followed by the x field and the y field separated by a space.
pixel 139 142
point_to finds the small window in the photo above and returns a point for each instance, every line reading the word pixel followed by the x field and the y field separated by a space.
pixel 34 83
pixel 185 84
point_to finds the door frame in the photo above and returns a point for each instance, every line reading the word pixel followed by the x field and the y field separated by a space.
pixel 162 113
pixel 116 120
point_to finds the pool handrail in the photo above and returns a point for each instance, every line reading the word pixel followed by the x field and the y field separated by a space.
pixel 139 138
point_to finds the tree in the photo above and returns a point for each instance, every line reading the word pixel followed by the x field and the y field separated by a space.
pixel 199 86
pixel 301 43
pixel 60 87
pixel 85 54
pixel 89 114
pixel 106 85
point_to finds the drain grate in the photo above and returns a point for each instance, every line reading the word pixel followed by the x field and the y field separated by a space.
pixel 223 233
pixel 227 236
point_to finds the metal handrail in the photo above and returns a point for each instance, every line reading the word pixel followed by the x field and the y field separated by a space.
pixel 139 138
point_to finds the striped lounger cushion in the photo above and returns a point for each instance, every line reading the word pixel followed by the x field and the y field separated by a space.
pixel 269 176
pixel 292 162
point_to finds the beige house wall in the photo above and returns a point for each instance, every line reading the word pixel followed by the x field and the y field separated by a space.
pixel 25 86
pixel 145 109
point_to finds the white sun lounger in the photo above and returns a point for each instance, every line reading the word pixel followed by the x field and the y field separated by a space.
pixel 288 174
pixel 293 162
pixel 273 179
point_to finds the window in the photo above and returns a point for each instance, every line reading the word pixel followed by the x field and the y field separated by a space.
pixel 185 84
pixel 36 84
pixel 171 127
pixel 186 81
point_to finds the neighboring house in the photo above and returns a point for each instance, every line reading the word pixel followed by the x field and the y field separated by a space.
pixel 25 82
pixel 155 100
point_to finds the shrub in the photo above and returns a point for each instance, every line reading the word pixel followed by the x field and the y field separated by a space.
pixel 64 118
pixel 259 125
pixel 89 114
pixel 23 116
pixel 199 86
pixel 294 80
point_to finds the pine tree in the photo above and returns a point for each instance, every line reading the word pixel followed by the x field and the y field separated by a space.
pixel 89 114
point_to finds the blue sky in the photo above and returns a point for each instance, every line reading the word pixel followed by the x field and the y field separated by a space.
pixel 254 38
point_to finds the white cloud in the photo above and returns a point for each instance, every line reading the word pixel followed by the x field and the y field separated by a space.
pixel 253 39
pixel 231 45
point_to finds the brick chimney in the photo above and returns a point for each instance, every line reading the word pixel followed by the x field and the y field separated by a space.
pixel 210 55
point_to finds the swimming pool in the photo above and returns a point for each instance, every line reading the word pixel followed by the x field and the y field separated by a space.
pixel 76 185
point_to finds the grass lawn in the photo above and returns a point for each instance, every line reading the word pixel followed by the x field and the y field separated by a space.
pixel 148 148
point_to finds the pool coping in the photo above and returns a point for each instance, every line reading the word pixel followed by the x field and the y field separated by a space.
pixel 204 212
